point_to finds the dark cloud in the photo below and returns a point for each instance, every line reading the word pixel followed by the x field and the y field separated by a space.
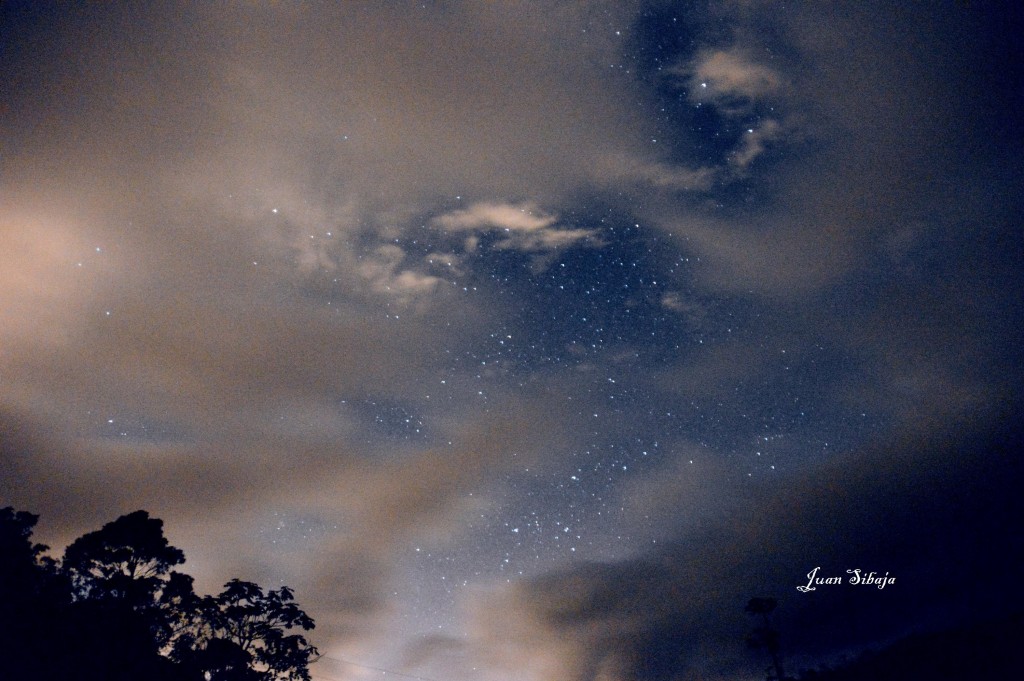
pixel 936 511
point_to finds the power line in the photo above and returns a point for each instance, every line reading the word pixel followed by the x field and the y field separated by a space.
pixel 366 666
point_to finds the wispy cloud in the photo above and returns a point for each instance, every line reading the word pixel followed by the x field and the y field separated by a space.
pixel 754 143
pixel 660 175
pixel 520 227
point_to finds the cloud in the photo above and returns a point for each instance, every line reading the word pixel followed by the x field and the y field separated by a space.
pixel 657 174
pixel 520 227
pixel 382 268
pixel 864 147
pixel 694 311
pixel 677 612
pixel 446 261
pixel 754 144
pixel 498 110
pixel 225 225
pixel 737 86
pixel 674 178
pixel 256 178
pixel 219 492
pixel 524 218
pixel 730 79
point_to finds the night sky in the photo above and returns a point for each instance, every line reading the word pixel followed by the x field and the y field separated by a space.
pixel 527 341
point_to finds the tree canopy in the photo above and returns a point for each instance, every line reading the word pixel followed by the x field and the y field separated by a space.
pixel 113 608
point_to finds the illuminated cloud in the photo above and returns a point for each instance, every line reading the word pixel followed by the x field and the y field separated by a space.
pixel 519 227
pixel 659 175
pixel 754 144
pixel 729 79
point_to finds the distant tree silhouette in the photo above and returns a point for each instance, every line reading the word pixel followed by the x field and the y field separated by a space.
pixel 766 636
pixel 114 610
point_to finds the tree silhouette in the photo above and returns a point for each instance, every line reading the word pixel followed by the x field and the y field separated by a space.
pixel 114 610
pixel 19 557
pixel 128 558
pixel 766 636
pixel 245 624
pixel 29 598
pixel 222 660
pixel 118 574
